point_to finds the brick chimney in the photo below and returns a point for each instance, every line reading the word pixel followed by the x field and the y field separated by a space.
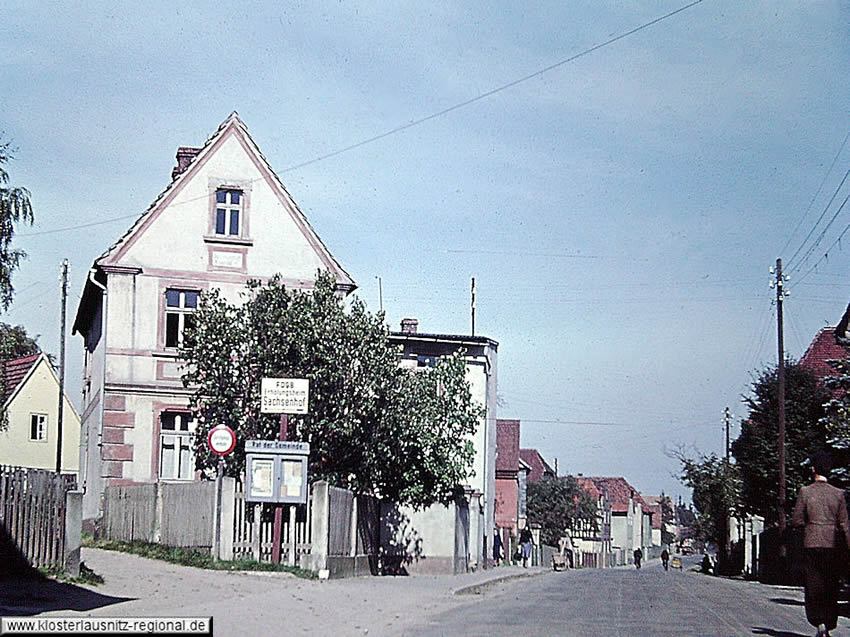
pixel 185 155
pixel 409 326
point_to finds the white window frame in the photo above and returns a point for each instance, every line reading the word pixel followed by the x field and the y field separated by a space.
pixel 176 449
pixel 227 207
pixel 181 311
pixel 41 427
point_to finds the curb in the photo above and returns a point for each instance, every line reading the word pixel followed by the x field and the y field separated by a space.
pixel 481 587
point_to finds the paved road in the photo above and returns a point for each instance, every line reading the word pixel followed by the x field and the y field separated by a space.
pixel 623 602
pixel 627 602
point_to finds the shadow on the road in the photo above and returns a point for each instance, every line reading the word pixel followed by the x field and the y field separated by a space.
pixel 787 602
pixel 34 595
pixel 758 630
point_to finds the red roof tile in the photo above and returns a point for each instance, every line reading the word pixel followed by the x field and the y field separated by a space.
pixel 619 492
pixel 507 445
pixel 824 347
pixel 539 467
pixel 587 485
pixel 16 369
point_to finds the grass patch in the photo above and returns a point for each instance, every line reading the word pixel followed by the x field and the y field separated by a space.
pixel 192 557
pixel 86 576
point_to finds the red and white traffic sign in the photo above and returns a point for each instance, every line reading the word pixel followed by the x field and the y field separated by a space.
pixel 221 440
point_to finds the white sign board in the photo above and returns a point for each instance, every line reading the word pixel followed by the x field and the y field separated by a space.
pixel 284 395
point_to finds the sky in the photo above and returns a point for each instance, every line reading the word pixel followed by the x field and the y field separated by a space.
pixel 617 177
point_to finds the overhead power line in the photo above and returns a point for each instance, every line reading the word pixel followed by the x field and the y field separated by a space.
pixel 432 116
pixel 814 198
pixel 493 91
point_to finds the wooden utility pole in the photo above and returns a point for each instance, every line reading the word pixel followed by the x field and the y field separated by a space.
pixel 60 418
pixel 728 418
pixel 780 295
pixel 473 306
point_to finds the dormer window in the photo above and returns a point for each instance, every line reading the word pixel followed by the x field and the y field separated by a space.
pixel 228 212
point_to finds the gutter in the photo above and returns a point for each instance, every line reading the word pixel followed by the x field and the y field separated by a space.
pixel 105 296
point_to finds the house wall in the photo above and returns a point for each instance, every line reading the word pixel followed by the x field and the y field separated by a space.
pixel 174 246
pixel 40 395
pixel 507 503
pixel 419 541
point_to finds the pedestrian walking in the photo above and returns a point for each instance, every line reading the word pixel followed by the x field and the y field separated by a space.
pixel 665 559
pixel 822 510
pixel 526 541
pixel 638 554
pixel 498 547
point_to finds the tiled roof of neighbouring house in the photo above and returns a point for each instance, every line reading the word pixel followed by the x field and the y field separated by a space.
pixel 619 492
pixel 587 485
pixel 16 369
pixel 507 445
pixel 824 347
pixel 539 467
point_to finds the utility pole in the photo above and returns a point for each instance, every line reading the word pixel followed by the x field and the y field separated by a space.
pixel 59 419
pixel 473 306
pixel 780 295
pixel 380 294
pixel 728 418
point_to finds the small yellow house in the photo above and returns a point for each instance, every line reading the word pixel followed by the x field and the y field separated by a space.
pixel 32 405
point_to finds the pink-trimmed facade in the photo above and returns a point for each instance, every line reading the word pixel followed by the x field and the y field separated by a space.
pixel 225 218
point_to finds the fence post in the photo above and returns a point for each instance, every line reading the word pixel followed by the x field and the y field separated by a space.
pixel 256 540
pixel 228 505
pixel 319 549
pixel 290 558
pixel 73 531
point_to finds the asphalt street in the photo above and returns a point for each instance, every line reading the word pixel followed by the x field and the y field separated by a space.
pixel 628 602
pixel 501 601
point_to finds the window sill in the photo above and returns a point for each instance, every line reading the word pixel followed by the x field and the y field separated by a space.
pixel 165 353
pixel 229 241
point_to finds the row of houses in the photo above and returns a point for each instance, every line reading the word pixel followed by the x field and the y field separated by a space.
pixel 625 521
pixel 224 218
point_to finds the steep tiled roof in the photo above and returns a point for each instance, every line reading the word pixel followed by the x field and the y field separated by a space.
pixel 16 369
pixel 824 347
pixel 653 505
pixel 507 445
pixel 619 492
pixel 587 485
pixel 539 467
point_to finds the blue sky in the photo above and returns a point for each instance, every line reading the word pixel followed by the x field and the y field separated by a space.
pixel 619 212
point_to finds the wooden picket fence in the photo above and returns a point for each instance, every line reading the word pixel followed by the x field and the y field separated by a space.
pixel 253 531
pixel 32 513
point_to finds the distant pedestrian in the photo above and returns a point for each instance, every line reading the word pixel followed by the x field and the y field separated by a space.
pixel 822 510
pixel 498 547
pixel 706 564
pixel 638 554
pixel 665 558
pixel 526 541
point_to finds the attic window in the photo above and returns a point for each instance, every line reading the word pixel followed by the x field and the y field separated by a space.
pixel 228 212
pixel 38 427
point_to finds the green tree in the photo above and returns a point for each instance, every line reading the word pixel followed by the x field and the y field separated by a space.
pixel 558 504
pixel 756 450
pixel 373 427
pixel 668 516
pixel 15 207
pixel 716 488
pixel 837 419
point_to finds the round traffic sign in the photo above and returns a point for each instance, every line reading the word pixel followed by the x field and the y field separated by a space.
pixel 221 440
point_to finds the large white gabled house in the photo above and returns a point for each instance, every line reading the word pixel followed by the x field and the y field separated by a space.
pixel 225 218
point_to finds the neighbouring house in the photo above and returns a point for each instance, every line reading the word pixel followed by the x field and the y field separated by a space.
pixel 652 504
pixel 630 523
pixel 538 467
pixel 508 505
pixel 224 218
pixel 419 350
pixel 32 405
pixel 830 343
pixel 591 542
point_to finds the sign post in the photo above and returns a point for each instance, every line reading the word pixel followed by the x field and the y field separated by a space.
pixel 283 396
pixel 221 440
